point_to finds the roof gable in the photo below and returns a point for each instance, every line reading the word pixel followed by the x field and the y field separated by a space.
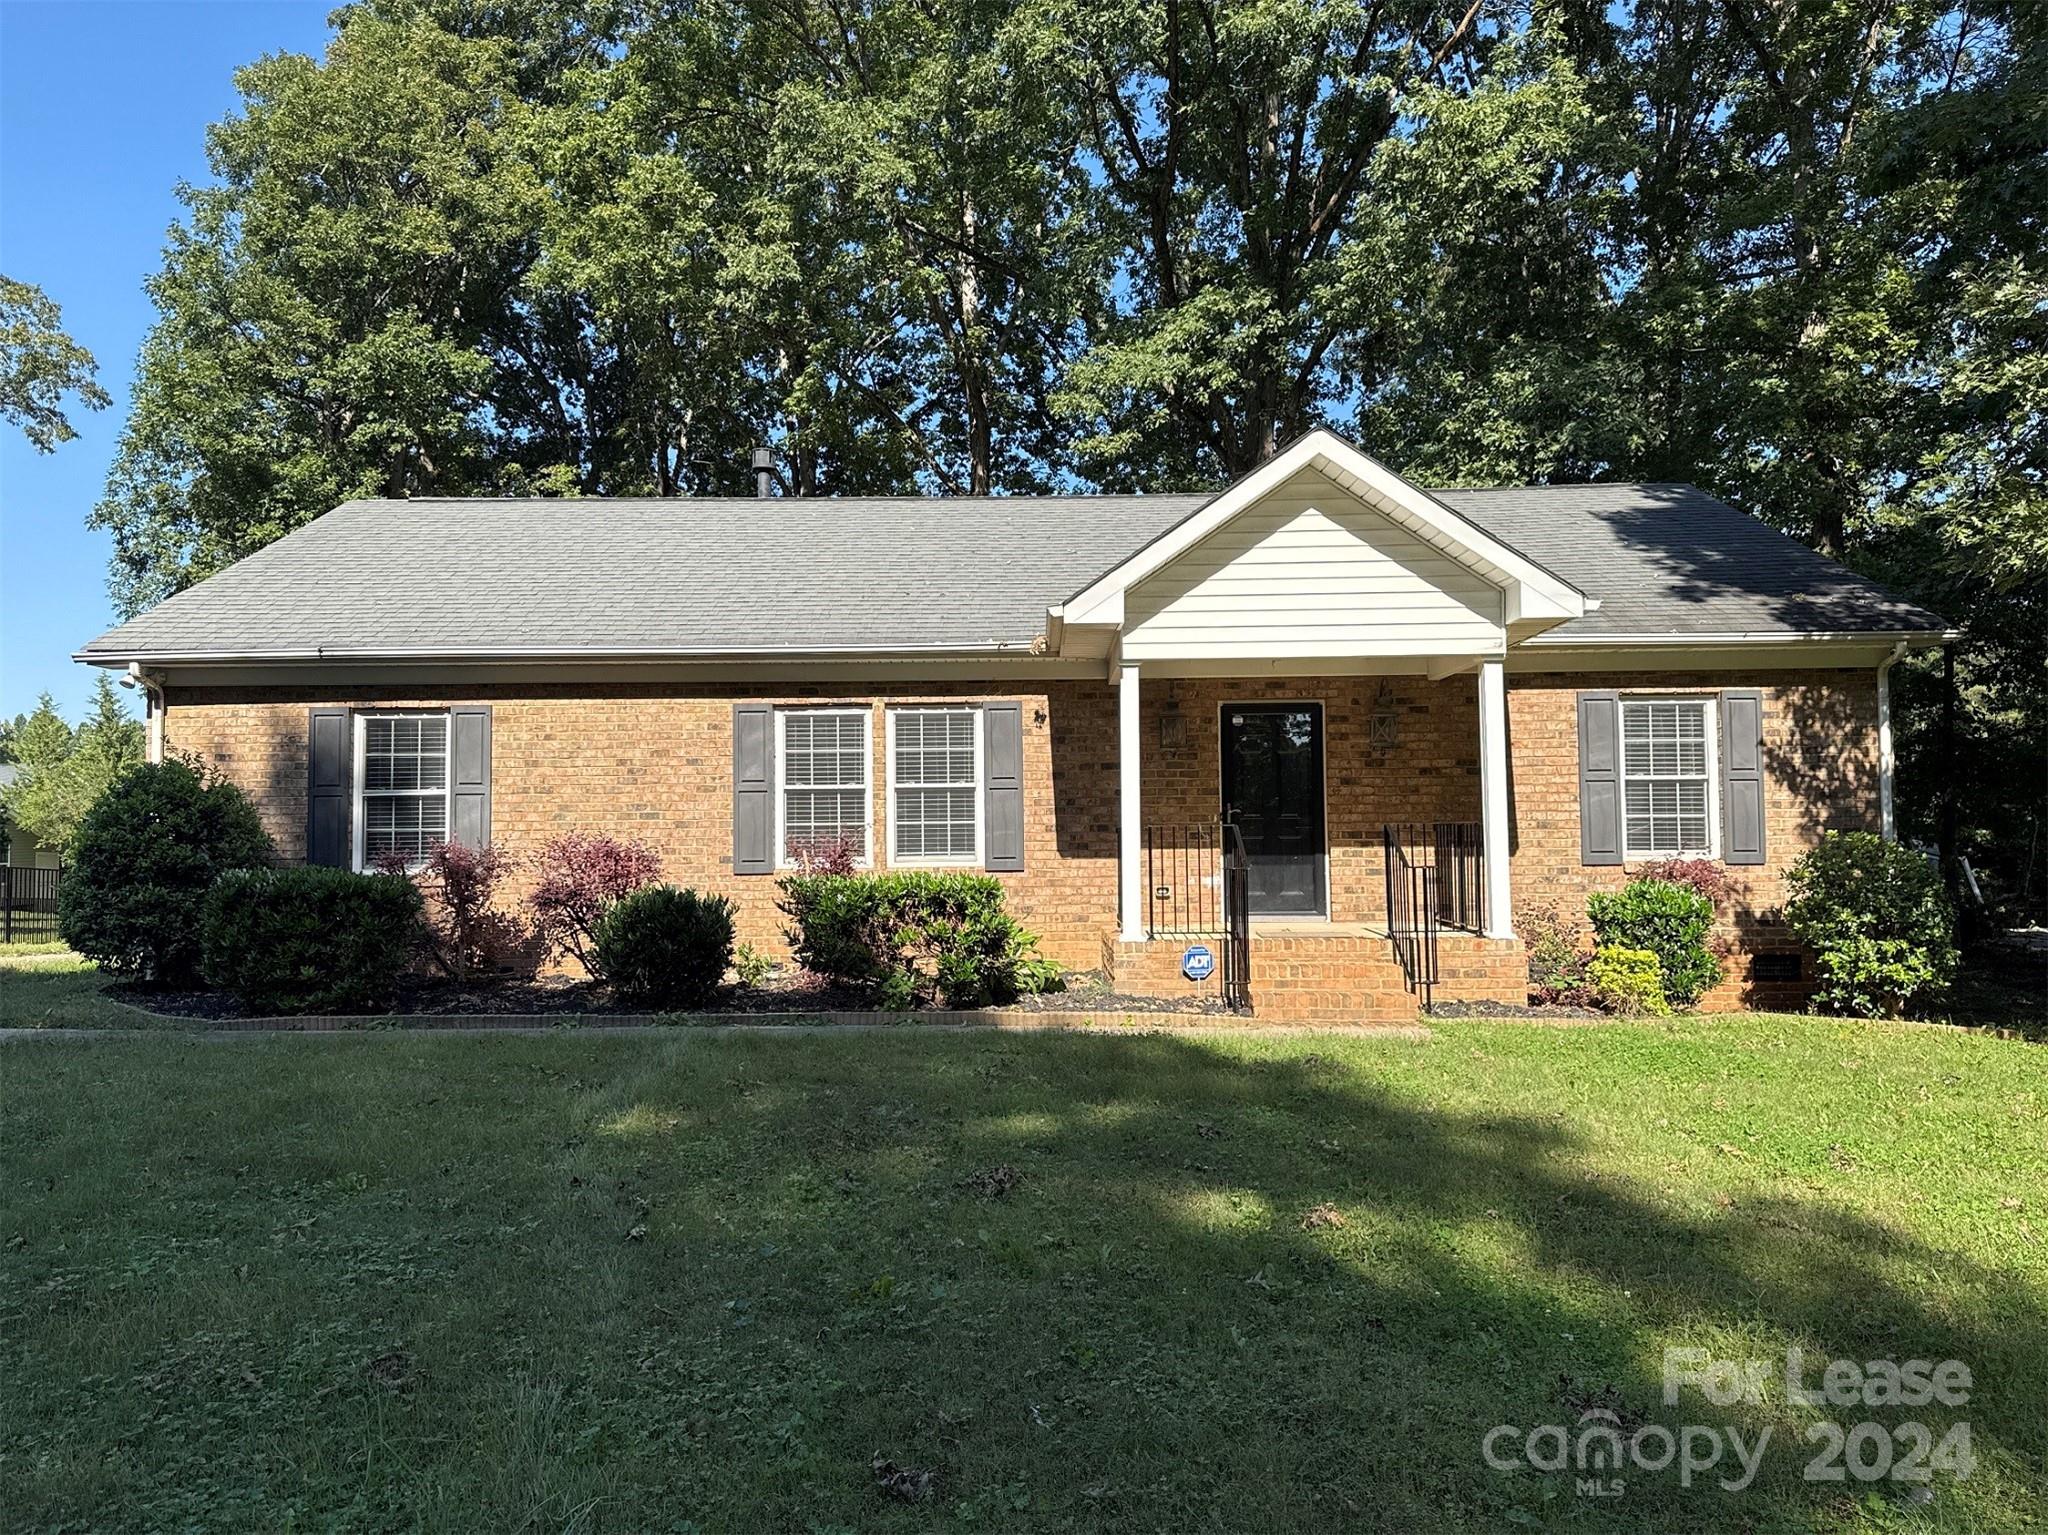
pixel 1532 595
pixel 1311 571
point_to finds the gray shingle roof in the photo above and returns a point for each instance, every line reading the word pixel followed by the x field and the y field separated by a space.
pixel 909 573
pixel 1671 559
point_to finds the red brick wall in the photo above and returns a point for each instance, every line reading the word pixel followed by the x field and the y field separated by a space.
pixel 1820 774
pixel 655 763
pixel 1346 977
pixel 1431 773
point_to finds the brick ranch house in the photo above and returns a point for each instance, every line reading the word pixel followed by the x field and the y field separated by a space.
pixel 1526 691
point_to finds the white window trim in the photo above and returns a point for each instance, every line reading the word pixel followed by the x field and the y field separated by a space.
pixel 866 716
pixel 358 818
pixel 974 860
pixel 1631 854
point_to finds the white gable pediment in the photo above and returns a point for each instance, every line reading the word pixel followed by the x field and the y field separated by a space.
pixel 1310 570
pixel 1323 552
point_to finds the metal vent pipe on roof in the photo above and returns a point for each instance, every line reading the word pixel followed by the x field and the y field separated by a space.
pixel 764 470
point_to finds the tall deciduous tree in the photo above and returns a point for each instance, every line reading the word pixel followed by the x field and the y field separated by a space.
pixel 40 365
pixel 1788 249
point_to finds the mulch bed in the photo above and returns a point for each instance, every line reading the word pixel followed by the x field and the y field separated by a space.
pixel 558 996
pixel 1512 1010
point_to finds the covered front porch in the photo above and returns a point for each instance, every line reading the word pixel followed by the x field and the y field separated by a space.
pixel 1323 837
pixel 1314 665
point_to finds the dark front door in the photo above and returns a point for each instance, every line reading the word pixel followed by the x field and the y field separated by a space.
pixel 1273 789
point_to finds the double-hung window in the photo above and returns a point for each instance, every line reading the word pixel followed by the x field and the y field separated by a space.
pixel 935 785
pixel 1667 773
pixel 401 786
pixel 822 760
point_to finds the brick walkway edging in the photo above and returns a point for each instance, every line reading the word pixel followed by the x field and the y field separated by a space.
pixel 686 1024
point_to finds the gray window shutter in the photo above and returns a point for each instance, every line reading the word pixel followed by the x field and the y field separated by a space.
pixel 1599 778
pixel 469 769
pixel 330 757
pixel 753 789
pixel 1002 780
pixel 1742 776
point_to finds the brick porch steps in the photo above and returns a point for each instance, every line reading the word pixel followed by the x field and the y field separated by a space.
pixel 1328 973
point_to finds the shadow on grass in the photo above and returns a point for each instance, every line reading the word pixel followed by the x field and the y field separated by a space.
pixel 1313 1297
pixel 1089 1282
pixel 61 992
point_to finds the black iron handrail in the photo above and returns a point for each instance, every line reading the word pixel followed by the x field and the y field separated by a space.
pixel 1198 885
pixel 1237 922
pixel 1184 880
pixel 1436 878
pixel 1411 914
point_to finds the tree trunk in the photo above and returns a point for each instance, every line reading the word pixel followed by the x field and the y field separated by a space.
pixel 974 373
pixel 1951 873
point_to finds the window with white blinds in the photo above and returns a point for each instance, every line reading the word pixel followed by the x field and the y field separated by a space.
pixel 401 786
pixel 823 769
pixel 1667 774
pixel 935 785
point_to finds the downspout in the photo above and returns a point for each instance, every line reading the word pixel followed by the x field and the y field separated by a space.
pixel 1887 761
pixel 152 711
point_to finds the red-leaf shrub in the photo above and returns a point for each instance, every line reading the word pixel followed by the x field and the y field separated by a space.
pixel 582 876
pixel 1558 957
pixel 1701 874
pixel 469 935
pixel 836 854
pixel 1710 879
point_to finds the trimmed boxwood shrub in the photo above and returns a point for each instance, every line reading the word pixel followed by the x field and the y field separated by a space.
pixel 1669 920
pixel 663 947
pixel 305 940
pixel 1877 920
pixel 912 938
pixel 1627 981
pixel 143 859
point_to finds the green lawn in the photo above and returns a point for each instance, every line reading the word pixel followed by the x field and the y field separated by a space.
pixel 589 1283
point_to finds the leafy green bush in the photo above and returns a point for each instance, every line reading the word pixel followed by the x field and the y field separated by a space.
pixel 1877 920
pixel 912 938
pixel 144 857
pixel 305 940
pixel 750 967
pixel 1628 981
pixel 663 947
pixel 1672 922
pixel 1557 955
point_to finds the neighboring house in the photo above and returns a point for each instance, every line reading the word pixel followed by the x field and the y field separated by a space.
pixel 1068 691
pixel 23 850
pixel 28 878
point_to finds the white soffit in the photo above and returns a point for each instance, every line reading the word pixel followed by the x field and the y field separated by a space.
pixel 1534 596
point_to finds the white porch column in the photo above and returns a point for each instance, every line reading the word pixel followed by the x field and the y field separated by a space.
pixel 1887 759
pixel 1130 861
pixel 1493 797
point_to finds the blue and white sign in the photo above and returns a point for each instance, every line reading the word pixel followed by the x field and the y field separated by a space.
pixel 1198 964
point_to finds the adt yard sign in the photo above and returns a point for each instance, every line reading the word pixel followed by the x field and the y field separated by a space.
pixel 1198 964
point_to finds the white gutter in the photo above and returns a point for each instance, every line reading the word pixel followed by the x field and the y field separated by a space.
pixel 1887 762
pixel 1556 641
pixel 435 653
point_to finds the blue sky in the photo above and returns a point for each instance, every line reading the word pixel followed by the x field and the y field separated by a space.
pixel 104 106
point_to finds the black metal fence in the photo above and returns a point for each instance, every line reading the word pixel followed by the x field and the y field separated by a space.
pixel 1460 875
pixel 1436 878
pixel 28 904
pixel 1198 885
pixel 1237 922
pixel 1184 880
